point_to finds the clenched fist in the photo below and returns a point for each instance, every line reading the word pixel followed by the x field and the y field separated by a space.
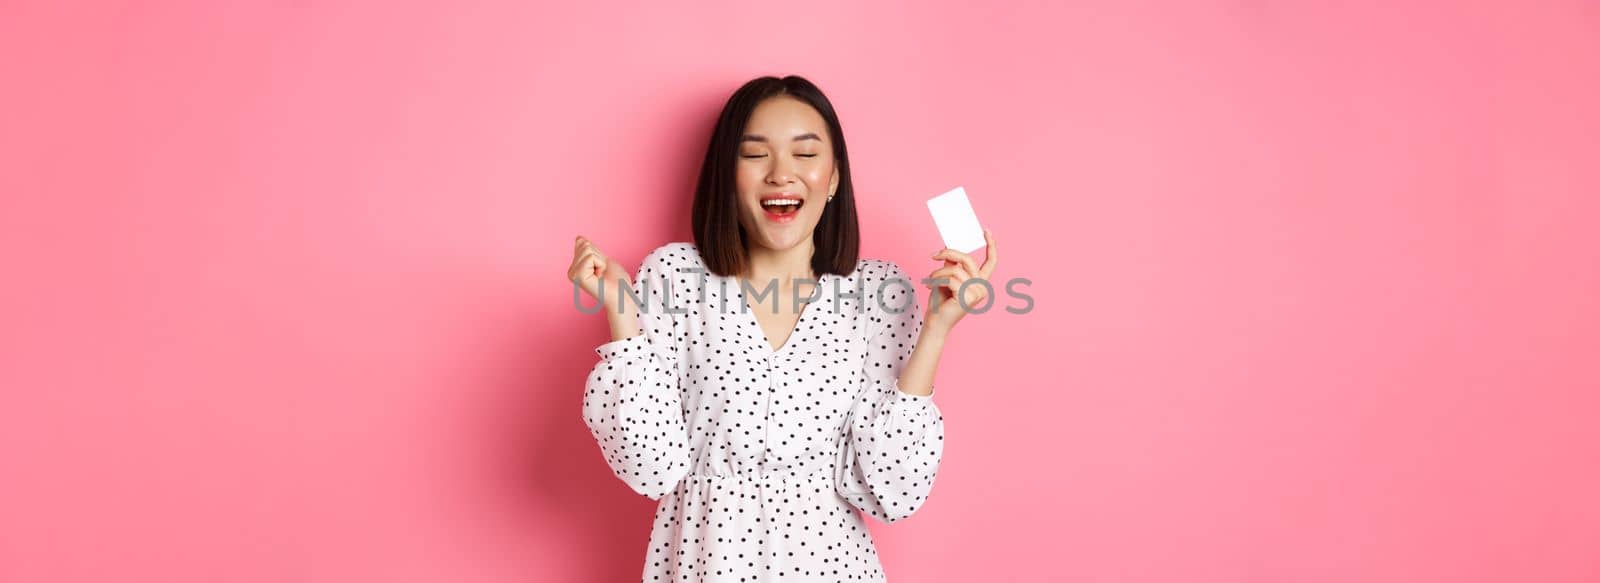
pixel 591 269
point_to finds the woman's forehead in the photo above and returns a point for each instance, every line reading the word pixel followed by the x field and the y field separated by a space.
pixel 784 118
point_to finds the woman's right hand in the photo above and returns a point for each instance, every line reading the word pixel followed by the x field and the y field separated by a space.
pixel 591 269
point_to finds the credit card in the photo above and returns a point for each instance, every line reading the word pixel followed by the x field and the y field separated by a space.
pixel 958 225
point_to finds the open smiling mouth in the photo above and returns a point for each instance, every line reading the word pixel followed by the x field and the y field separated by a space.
pixel 781 208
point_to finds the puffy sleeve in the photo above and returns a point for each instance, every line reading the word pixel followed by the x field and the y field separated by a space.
pixel 631 402
pixel 893 440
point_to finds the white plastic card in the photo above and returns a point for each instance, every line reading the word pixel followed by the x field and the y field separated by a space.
pixel 958 225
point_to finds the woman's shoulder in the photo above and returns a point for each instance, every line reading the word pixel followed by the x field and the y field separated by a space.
pixel 880 283
pixel 674 256
pixel 675 268
pixel 875 272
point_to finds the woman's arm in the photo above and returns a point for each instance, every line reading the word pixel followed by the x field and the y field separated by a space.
pixel 917 378
pixel 944 310
pixel 624 319
pixel 631 401
pixel 894 438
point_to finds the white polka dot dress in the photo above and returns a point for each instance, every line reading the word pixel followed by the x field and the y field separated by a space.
pixel 760 457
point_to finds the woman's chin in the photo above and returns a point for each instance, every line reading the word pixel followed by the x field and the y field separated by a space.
pixel 783 238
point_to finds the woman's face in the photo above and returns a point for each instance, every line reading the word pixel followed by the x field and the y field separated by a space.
pixel 785 155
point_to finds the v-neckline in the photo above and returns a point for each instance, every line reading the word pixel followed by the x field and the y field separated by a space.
pixel 749 316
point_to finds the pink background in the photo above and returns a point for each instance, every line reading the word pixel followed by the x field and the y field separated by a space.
pixel 1317 289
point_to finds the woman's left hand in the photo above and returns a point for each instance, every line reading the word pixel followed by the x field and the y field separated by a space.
pixel 944 308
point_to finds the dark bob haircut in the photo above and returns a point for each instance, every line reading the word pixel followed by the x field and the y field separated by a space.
pixel 717 233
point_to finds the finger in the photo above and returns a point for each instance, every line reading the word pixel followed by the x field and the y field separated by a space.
pixel 975 293
pixel 958 278
pixel 952 255
pixel 960 271
pixel 954 288
pixel 583 243
pixel 582 266
pixel 939 291
pixel 953 278
pixel 589 263
pixel 959 257
pixel 946 272
pixel 991 254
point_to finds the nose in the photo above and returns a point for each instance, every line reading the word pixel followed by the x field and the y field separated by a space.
pixel 780 173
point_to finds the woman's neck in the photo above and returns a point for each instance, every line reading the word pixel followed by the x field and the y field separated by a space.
pixel 782 266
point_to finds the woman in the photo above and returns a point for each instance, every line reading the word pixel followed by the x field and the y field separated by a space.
pixel 759 419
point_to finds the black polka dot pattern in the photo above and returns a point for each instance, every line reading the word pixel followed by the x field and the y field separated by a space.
pixel 765 460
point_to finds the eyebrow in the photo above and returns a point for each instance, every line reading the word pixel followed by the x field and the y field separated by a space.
pixel 763 139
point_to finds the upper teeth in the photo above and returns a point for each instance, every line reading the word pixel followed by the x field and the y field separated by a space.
pixel 783 201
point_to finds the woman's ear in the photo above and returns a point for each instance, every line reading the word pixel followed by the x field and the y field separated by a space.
pixel 834 187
